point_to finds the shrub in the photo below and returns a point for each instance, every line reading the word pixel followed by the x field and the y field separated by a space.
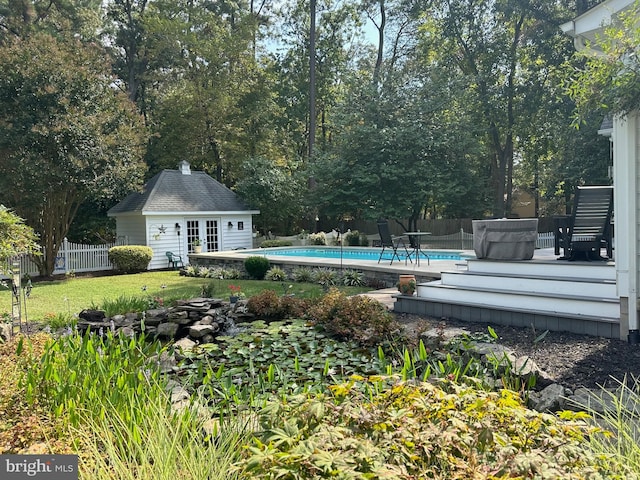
pixel 302 274
pixel 364 240
pixel 418 430
pixel 353 238
pixel 325 277
pixel 59 320
pixel 265 304
pixel 357 318
pixel 353 278
pixel 207 290
pixel 256 266
pixel 232 274
pixel 276 243
pixel 319 238
pixel 276 274
pixel 130 258
pixel 269 305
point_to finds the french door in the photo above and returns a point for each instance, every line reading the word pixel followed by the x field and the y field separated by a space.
pixel 206 231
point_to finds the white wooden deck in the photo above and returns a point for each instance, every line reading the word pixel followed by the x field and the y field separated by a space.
pixel 544 293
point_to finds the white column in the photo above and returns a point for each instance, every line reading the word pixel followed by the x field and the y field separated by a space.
pixel 625 158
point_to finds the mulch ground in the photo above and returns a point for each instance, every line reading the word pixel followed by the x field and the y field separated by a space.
pixel 570 359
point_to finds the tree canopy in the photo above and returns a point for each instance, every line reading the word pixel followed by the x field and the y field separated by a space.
pixel 609 80
pixel 430 109
pixel 65 134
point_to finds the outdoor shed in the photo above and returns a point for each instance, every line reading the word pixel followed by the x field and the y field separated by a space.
pixel 179 209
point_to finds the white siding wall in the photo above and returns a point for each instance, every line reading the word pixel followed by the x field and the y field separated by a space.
pixel 131 227
pixel 232 238
pixel 159 233
pixel 162 237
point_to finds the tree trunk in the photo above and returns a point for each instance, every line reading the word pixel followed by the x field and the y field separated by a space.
pixel 55 219
pixel 378 66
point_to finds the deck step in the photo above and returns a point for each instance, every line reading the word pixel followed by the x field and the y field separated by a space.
pixel 572 286
pixel 545 268
pixel 544 303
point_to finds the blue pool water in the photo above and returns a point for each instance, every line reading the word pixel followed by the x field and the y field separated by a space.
pixel 350 253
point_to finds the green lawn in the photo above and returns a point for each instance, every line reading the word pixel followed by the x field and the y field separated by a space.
pixel 72 295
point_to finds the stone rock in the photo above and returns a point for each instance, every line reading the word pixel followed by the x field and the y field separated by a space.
pixel 550 399
pixel 208 339
pixel 601 400
pixel 197 331
pixel 96 327
pixel 151 330
pixel 497 357
pixel 179 393
pixel 92 315
pixel 127 331
pixel 154 319
pixel 164 361
pixel 436 337
pixel 132 317
pixel 181 318
pixel 157 312
pixel 167 329
pixel 491 349
pixel 525 367
pixel 184 344
pixel 5 331
pixel 206 320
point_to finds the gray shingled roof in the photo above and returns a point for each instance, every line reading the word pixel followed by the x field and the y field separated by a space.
pixel 172 191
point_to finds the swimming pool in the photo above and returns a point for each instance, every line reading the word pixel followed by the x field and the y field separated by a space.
pixel 349 253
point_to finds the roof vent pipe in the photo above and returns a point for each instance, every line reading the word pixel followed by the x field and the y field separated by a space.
pixel 185 169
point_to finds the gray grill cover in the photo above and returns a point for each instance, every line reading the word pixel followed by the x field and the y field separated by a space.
pixel 505 239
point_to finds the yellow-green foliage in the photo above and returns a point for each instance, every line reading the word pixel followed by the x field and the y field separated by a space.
pixel 15 237
pixel 130 258
pixel 378 429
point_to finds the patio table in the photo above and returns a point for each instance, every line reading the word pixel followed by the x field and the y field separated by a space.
pixel 415 242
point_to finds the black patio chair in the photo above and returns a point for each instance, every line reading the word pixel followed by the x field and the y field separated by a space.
pixel 392 242
pixel 588 229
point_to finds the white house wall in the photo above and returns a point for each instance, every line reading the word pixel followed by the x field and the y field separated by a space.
pixel 162 237
pixel 132 228
pixel 231 237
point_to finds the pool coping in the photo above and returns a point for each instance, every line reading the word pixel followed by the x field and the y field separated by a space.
pixel 384 269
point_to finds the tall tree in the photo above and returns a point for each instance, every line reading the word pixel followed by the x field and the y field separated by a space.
pixel 276 190
pixel 65 134
pixel 482 41
pixel 402 152
pixel 334 53
pixel 20 18
pixel 212 100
